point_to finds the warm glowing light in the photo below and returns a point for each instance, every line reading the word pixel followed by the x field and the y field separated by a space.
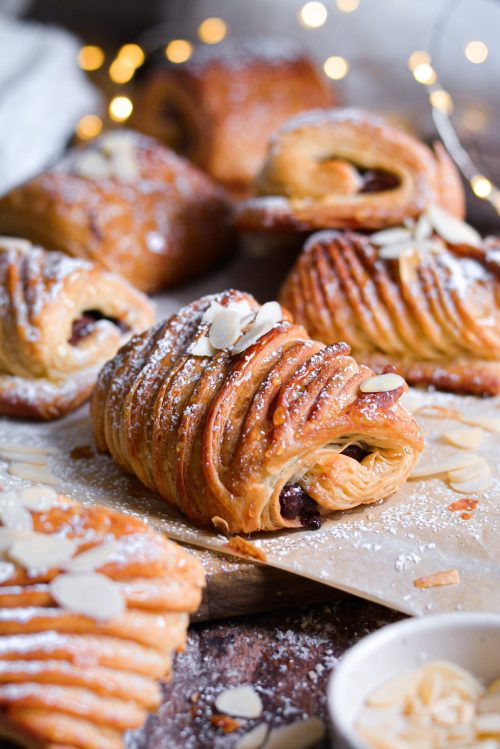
pixel 313 14
pixel 336 68
pixel 424 73
pixel 476 52
pixel 419 57
pixel 212 30
pixel 120 72
pixel 347 6
pixel 120 108
pixel 474 119
pixel 178 50
pixel 90 57
pixel 88 127
pixel 481 186
pixel 442 101
pixel 131 55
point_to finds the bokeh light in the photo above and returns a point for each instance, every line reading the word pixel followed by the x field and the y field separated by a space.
pixel 336 67
pixel 88 127
pixel 313 14
pixel 178 50
pixel 90 57
pixel 212 30
pixel 120 108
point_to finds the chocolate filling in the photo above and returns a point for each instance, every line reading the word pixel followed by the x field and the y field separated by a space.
pixel 84 325
pixel 378 180
pixel 295 503
pixel 355 452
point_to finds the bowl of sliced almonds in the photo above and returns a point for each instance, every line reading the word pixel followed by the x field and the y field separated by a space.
pixel 430 682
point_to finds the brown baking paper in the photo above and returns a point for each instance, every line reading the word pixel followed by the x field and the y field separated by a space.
pixel 374 551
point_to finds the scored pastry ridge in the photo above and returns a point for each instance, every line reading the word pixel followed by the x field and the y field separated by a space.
pixel 251 437
pixel 430 308
pixel 67 678
pixel 61 319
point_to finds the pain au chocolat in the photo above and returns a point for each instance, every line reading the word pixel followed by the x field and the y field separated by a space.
pixel 61 318
pixel 423 298
pixel 345 168
pixel 93 605
pixel 221 106
pixel 233 414
pixel 128 203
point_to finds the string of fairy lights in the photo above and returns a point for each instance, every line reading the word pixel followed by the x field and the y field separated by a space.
pixel 311 15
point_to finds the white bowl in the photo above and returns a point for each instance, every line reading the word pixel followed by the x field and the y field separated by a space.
pixel 468 640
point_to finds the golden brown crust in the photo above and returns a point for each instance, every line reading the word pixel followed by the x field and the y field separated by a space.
pixel 220 436
pixel 345 168
pixel 162 225
pixel 47 367
pixel 435 317
pixel 67 679
pixel 220 108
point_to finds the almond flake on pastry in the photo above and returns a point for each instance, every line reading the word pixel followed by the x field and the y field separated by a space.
pixel 90 594
pixel 40 551
pixel 383 383
pixel 93 558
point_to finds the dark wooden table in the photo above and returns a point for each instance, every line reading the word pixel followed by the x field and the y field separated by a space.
pixel 287 656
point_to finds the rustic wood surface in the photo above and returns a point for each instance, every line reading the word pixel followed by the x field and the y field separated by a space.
pixel 286 655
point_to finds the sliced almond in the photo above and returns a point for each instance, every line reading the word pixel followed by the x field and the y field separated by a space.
pixel 241 702
pixel 93 558
pixel 471 486
pixel 254 738
pixel 423 228
pixel 38 498
pixel 211 312
pixel 438 579
pixel 202 347
pixel 250 337
pixel 40 551
pixel 6 571
pixel 269 313
pixel 22 450
pixel 394 691
pixel 397 235
pixel 299 735
pixel 395 251
pixel 225 329
pixel 479 469
pixel 383 383
pixel 15 243
pixel 37 459
pixel 13 514
pixel 488 724
pixel 35 474
pixel 91 165
pixel 466 439
pixel 92 594
pixel 490 424
pixel 429 469
pixel 451 228
pixel 220 524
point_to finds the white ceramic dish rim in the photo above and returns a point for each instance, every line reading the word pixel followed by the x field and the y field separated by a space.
pixel 454 622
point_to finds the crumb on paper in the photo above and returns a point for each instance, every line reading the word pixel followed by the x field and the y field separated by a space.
pixel 225 723
pixel 244 548
pixel 463 504
pixel 438 579
pixel 81 452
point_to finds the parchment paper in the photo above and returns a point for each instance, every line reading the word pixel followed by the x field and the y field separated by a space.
pixel 375 552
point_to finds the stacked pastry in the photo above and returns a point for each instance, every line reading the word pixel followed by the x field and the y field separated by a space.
pixel 128 204
pixel 61 319
pixel 220 108
pixel 345 168
pixel 232 413
pixel 92 606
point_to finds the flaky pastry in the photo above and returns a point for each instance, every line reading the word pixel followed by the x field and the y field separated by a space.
pixel 345 168
pixel 129 204
pixel 93 604
pixel 231 412
pixel 430 306
pixel 61 318
pixel 220 108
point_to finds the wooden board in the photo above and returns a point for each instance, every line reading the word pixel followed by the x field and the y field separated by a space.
pixel 235 588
